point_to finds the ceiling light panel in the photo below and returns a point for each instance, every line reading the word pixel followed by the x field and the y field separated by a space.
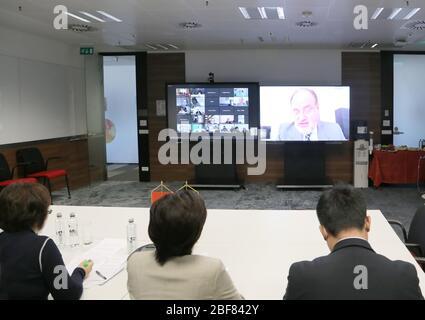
pixel 92 16
pixel 77 17
pixel 262 13
pixel 411 13
pixel 108 15
pixel 376 14
pixel 394 13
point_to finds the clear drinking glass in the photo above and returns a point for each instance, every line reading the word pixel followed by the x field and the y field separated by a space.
pixel 87 233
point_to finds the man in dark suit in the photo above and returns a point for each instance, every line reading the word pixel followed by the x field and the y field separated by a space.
pixel 307 125
pixel 352 270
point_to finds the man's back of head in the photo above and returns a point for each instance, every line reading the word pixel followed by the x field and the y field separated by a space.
pixel 352 270
pixel 342 209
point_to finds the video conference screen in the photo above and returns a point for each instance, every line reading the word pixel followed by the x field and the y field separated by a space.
pixel 290 113
pixel 211 108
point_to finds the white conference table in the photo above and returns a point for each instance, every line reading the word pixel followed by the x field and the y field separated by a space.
pixel 256 246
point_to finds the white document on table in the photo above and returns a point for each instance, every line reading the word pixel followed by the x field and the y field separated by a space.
pixel 109 257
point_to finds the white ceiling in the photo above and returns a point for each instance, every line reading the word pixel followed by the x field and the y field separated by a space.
pixel 223 26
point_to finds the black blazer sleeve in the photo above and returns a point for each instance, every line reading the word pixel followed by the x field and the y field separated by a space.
pixel 61 285
pixel 296 280
pixel 408 281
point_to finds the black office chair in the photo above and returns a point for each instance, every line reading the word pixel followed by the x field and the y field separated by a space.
pixel 342 116
pixel 7 176
pixel 415 239
pixel 36 167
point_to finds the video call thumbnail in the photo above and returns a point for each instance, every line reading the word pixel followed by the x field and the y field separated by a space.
pixel 212 110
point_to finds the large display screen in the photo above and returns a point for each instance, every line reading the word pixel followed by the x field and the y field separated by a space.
pixel 212 108
pixel 290 113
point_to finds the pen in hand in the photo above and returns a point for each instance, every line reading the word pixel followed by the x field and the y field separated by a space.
pixel 101 275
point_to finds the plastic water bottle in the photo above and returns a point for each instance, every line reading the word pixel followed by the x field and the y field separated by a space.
pixel 60 232
pixel 131 235
pixel 74 239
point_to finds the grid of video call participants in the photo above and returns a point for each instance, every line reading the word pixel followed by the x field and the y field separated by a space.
pixel 212 110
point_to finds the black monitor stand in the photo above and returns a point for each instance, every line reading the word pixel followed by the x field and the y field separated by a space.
pixel 304 166
pixel 217 176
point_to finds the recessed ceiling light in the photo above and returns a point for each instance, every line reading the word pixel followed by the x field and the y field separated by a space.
pixel 77 17
pixel 306 24
pixel 374 46
pixel 244 13
pixel 394 13
pixel 280 13
pixel 411 13
pixel 173 46
pixel 151 47
pixel 92 16
pixel 109 16
pixel 190 25
pixel 162 47
pixel 262 12
pixel 81 28
pixel 377 13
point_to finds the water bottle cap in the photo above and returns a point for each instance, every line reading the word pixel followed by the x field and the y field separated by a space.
pixel 59 215
pixel 131 220
pixel 72 215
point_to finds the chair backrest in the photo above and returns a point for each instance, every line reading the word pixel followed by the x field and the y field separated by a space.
pixel 417 228
pixel 33 157
pixel 342 116
pixel 5 173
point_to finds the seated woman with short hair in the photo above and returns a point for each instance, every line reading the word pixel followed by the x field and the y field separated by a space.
pixel 31 266
pixel 170 271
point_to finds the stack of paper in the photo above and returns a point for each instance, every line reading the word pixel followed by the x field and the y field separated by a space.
pixel 109 257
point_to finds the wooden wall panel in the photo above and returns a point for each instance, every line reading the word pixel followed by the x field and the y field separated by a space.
pixel 163 68
pixel 74 154
pixel 360 70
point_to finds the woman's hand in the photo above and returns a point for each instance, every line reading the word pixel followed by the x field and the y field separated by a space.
pixel 87 266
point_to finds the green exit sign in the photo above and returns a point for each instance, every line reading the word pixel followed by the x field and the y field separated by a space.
pixel 86 51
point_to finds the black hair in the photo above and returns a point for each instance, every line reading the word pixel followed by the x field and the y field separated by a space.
pixel 175 225
pixel 340 208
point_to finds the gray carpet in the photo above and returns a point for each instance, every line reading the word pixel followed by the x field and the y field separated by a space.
pixel 123 172
pixel 397 203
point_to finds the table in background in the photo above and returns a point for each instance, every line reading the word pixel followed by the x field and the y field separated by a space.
pixel 396 167
pixel 256 246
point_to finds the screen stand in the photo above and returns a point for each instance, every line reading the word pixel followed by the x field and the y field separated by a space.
pixel 304 166
pixel 217 176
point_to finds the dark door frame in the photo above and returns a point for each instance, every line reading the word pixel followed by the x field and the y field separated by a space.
pixel 142 110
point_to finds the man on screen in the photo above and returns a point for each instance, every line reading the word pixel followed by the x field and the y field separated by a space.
pixel 307 125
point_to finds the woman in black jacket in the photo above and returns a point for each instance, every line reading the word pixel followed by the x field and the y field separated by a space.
pixel 31 266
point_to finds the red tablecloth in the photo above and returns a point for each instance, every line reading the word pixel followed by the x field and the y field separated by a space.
pixel 399 167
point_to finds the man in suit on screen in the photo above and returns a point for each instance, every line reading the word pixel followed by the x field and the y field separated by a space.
pixel 307 125
pixel 352 270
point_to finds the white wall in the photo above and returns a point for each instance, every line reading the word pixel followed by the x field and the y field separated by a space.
pixel 269 67
pixel 42 92
pixel 19 44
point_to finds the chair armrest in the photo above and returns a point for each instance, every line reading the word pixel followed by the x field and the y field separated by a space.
pixel 400 225
pixel 412 245
pixel 51 158
pixel 421 262
pixel 415 249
